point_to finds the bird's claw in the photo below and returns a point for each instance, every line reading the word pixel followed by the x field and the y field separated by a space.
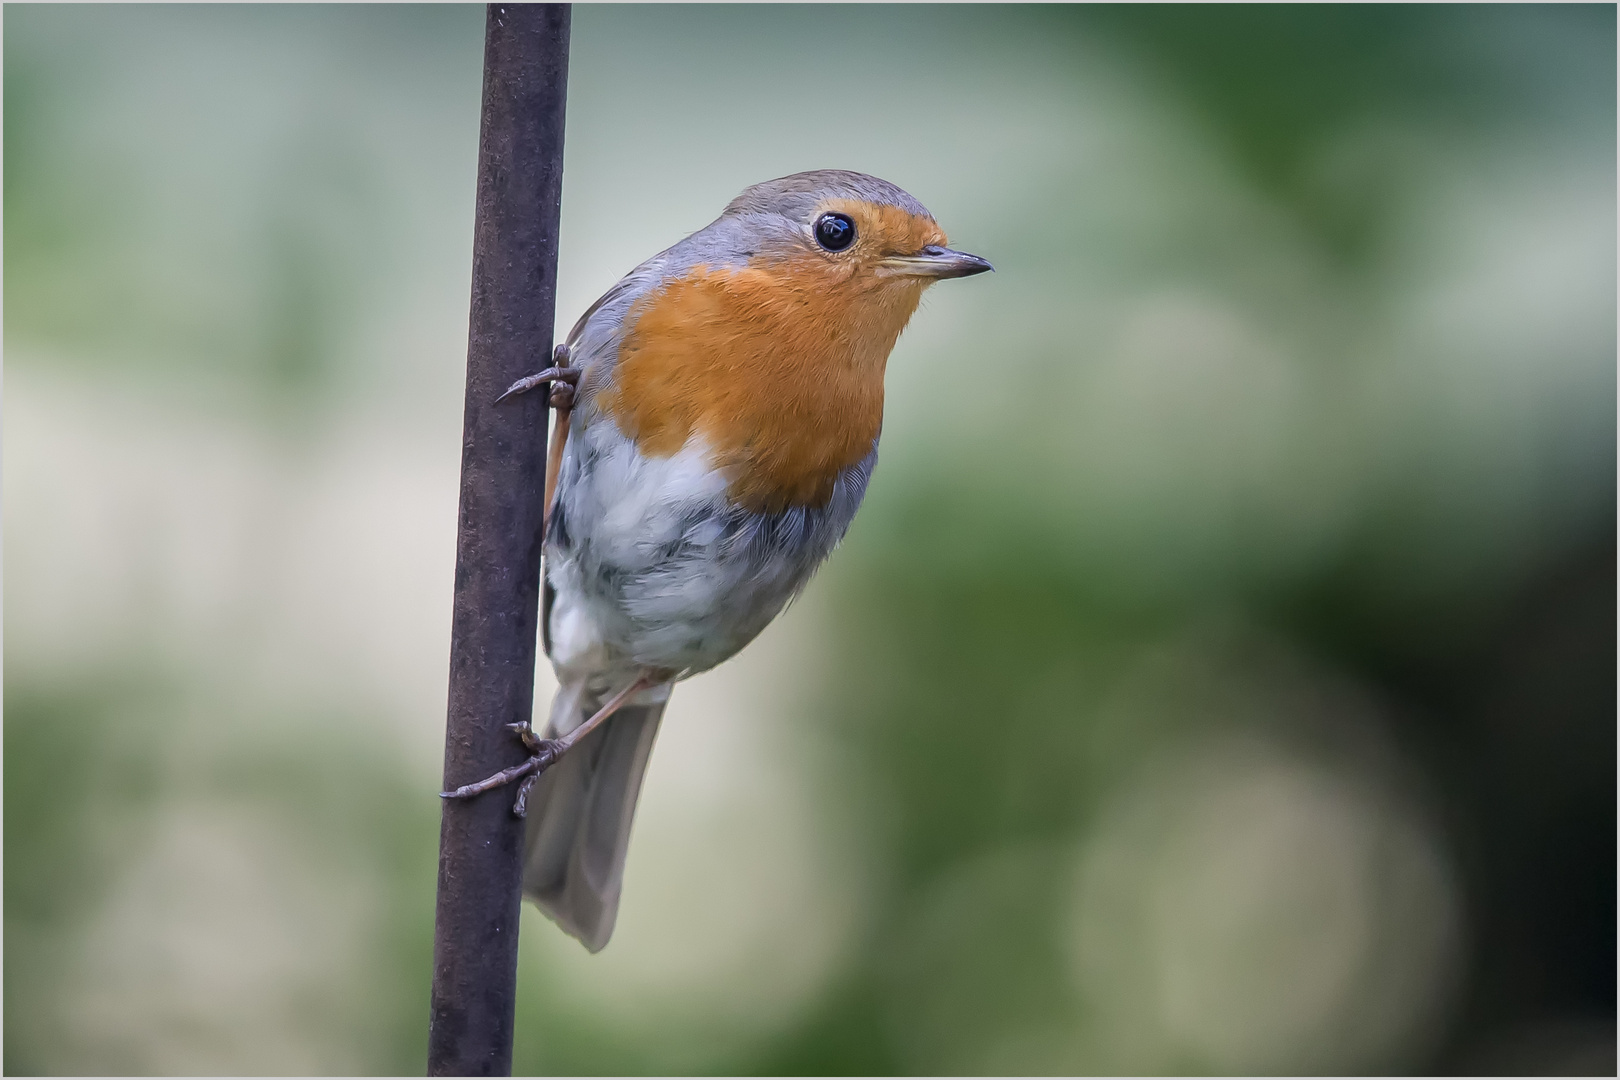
pixel 525 731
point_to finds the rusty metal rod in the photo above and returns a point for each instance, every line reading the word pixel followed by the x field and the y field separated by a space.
pixel 497 588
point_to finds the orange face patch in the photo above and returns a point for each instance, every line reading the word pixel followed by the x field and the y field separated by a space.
pixel 778 365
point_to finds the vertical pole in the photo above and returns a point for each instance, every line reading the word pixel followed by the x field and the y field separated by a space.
pixel 503 459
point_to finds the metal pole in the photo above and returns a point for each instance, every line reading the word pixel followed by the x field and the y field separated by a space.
pixel 503 458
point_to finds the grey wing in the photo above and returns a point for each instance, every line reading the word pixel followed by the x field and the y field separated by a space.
pixel 593 343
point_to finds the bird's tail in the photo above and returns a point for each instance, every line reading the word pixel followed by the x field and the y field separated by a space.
pixel 580 813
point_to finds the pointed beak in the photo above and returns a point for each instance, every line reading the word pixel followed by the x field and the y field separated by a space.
pixel 934 261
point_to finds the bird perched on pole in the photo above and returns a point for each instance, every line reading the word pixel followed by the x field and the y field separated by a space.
pixel 720 407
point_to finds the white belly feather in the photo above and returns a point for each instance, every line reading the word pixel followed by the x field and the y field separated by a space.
pixel 653 567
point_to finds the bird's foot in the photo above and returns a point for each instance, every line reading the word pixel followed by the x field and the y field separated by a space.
pixel 543 753
pixel 562 376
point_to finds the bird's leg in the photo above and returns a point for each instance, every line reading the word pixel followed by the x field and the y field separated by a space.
pixel 544 753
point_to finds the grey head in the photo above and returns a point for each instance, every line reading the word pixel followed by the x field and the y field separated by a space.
pixel 798 195
pixel 783 216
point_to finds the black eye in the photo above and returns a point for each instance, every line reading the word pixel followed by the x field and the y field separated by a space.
pixel 835 232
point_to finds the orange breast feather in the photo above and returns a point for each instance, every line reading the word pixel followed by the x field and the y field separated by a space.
pixel 779 367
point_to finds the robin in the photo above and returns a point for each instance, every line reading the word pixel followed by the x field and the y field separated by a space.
pixel 718 419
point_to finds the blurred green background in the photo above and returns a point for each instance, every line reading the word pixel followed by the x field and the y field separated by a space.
pixel 1220 677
